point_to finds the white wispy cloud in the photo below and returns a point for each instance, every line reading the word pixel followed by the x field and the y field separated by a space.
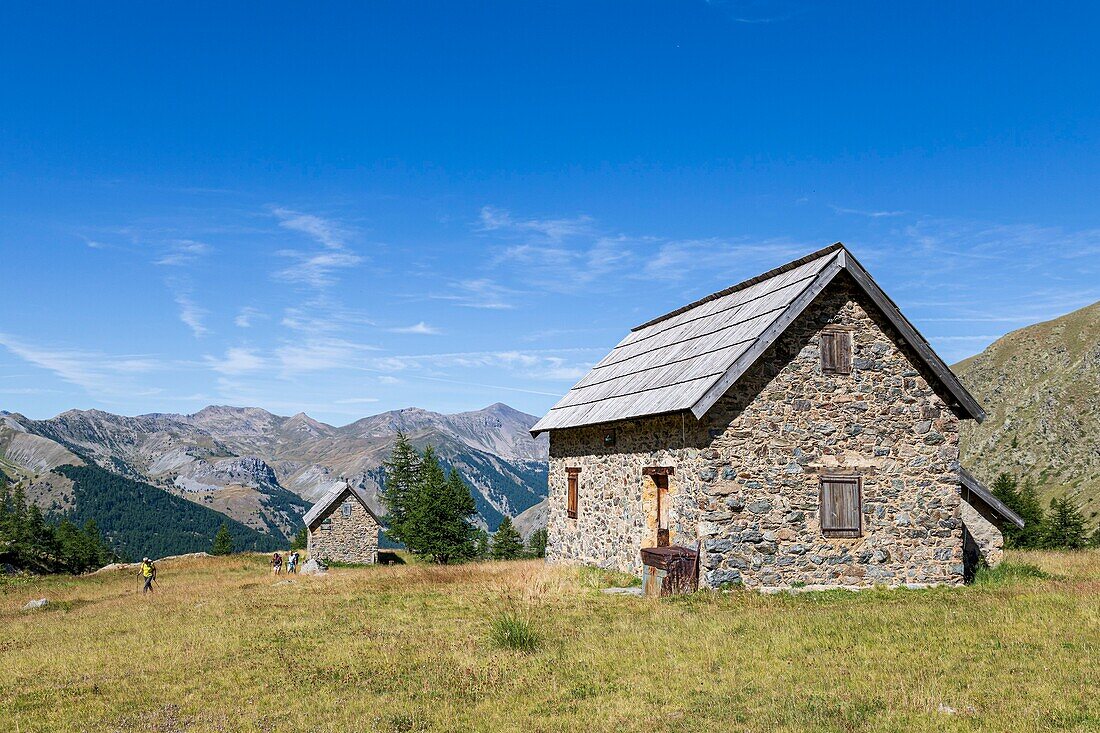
pixel 356 400
pixel 492 219
pixel 554 365
pixel 247 315
pixel 874 214
pixel 183 252
pixel 320 354
pixel 479 293
pixel 316 268
pixel 237 360
pixel 95 372
pixel 420 328
pixel 192 314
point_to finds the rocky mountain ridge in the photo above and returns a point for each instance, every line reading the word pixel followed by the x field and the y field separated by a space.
pixel 265 469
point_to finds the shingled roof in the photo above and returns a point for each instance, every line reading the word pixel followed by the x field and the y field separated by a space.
pixel 335 495
pixel 687 359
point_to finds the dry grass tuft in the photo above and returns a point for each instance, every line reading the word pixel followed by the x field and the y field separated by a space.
pixel 223 645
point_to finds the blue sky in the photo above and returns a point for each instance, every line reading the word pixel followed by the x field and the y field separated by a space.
pixel 348 208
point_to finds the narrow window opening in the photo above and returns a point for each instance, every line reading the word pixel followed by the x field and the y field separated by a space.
pixel 571 501
pixel 841 506
pixel 346 509
pixel 662 510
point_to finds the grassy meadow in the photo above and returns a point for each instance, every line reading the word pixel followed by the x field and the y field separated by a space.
pixel 224 646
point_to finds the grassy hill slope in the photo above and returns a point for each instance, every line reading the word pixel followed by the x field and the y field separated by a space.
pixel 223 645
pixel 1041 387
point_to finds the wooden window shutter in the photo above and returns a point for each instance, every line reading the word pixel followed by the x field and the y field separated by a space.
pixel 836 352
pixel 841 513
pixel 571 501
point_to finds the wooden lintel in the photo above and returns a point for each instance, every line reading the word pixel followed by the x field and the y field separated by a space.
pixel 658 471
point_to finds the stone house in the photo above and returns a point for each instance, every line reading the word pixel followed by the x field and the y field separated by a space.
pixel 342 527
pixel 794 429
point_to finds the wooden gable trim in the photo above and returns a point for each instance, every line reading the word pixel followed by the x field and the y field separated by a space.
pixel 943 373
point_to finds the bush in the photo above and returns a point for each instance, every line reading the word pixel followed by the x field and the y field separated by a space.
pixel 512 631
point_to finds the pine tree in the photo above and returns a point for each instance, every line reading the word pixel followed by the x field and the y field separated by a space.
pixel 1031 511
pixel 402 476
pixel 536 544
pixel 223 542
pixel 437 514
pixel 481 545
pixel 1065 527
pixel 1025 502
pixel 300 540
pixel 507 542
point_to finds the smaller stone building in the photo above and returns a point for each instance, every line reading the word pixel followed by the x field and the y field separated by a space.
pixel 342 527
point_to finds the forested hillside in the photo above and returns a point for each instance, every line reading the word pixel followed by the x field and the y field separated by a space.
pixel 139 519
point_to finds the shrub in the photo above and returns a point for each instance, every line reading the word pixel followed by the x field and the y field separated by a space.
pixel 512 631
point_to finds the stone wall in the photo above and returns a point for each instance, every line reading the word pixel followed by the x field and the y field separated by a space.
pixel 352 539
pixel 746 477
pixel 989 542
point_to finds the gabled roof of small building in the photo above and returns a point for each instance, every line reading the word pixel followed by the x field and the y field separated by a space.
pixel 334 496
pixel 975 489
pixel 687 359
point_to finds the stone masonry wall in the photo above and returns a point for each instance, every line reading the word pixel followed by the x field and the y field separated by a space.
pixel 747 476
pixel 351 539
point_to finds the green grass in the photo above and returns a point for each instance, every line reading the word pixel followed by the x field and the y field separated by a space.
pixel 510 630
pixel 224 645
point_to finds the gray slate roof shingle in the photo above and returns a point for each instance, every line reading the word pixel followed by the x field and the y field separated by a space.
pixel 687 359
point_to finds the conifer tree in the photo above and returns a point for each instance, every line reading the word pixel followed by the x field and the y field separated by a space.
pixel 223 542
pixel 1031 511
pixel 402 477
pixel 536 544
pixel 300 540
pixel 1065 526
pixel 481 545
pixel 437 514
pixel 507 542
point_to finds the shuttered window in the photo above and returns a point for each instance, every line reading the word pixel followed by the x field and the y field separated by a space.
pixel 836 352
pixel 571 475
pixel 840 506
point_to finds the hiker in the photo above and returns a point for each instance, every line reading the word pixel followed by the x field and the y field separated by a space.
pixel 276 563
pixel 292 563
pixel 148 571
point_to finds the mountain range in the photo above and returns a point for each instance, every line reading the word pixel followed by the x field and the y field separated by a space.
pixel 264 470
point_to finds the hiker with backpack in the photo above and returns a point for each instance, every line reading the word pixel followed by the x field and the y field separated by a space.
pixel 292 563
pixel 276 563
pixel 148 571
